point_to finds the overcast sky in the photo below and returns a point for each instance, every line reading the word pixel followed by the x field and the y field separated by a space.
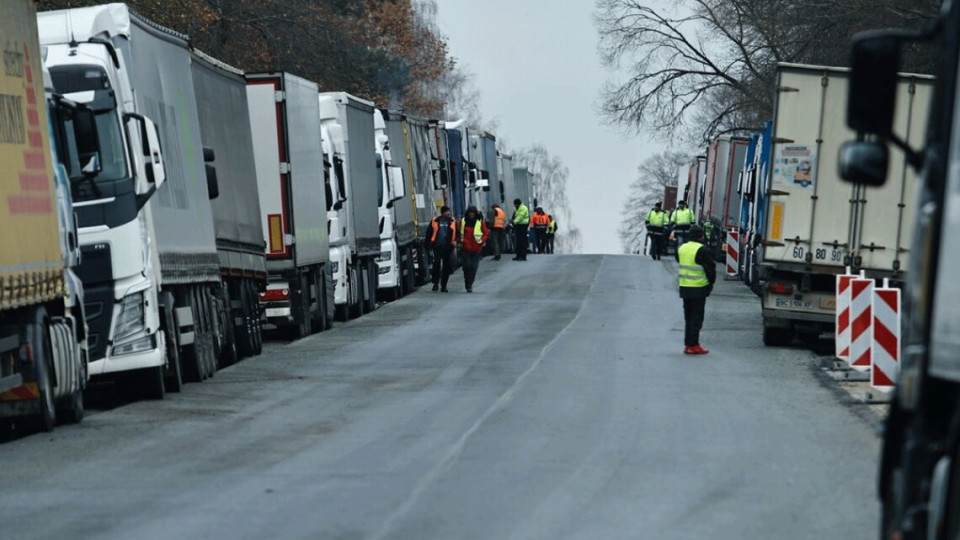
pixel 535 63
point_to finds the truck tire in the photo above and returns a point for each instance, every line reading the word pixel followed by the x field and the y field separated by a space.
pixel 191 356
pixel 356 285
pixel 148 383
pixel 40 344
pixel 777 337
pixel 409 278
pixel 173 381
pixel 71 409
pixel 372 278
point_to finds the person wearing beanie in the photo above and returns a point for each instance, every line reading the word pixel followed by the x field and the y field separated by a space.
pixel 472 235
pixel 697 274
pixel 442 236
pixel 657 222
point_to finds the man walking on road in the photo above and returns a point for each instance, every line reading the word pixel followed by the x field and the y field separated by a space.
pixel 443 237
pixel 540 221
pixel 657 221
pixel 697 274
pixel 682 219
pixel 521 223
pixel 499 236
pixel 473 235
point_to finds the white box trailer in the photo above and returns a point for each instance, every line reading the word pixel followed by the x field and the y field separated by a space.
pixel 285 125
pixel 816 224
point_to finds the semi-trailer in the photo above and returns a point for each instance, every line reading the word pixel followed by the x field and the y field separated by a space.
pixel 817 225
pixel 227 139
pixel 284 120
pixel 349 124
pixel 47 144
pixel 150 265
pixel 398 234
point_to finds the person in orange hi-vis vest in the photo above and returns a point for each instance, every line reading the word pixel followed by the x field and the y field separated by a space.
pixel 499 234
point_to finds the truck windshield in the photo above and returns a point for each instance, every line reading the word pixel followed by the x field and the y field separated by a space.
pixel 74 79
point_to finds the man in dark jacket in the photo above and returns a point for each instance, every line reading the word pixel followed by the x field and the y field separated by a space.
pixel 697 274
pixel 442 236
pixel 473 234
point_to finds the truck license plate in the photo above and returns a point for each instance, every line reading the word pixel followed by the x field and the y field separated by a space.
pixel 789 303
pixel 278 312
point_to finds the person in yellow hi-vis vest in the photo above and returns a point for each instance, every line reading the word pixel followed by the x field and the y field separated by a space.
pixel 471 237
pixel 697 274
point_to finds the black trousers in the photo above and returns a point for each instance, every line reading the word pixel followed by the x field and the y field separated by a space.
pixel 657 241
pixel 442 265
pixel 693 310
pixel 541 233
pixel 520 234
pixel 471 263
pixel 550 238
pixel 498 240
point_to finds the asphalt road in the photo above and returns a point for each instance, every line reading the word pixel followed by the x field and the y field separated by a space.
pixel 551 403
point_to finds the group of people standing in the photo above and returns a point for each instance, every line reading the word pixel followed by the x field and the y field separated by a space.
pixel 471 235
pixel 661 224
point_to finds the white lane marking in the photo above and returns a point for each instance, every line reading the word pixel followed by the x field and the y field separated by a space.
pixel 461 443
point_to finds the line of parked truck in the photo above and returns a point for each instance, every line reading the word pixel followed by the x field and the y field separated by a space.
pixel 164 209
pixel 798 223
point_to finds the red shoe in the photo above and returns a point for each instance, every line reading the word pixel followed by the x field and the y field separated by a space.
pixel 697 349
pixel 690 350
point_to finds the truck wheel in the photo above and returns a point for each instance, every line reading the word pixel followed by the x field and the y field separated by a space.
pixel 149 383
pixel 229 353
pixel 777 337
pixel 357 285
pixel 173 381
pixel 410 279
pixel 72 409
pixel 372 278
pixel 47 418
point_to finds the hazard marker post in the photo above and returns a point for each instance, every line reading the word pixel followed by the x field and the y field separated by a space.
pixel 861 323
pixel 843 316
pixel 733 254
pixel 886 340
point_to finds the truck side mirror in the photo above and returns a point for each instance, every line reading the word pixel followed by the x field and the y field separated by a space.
pixel 871 101
pixel 397 186
pixel 213 186
pixel 154 173
pixel 864 162
pixel 209 156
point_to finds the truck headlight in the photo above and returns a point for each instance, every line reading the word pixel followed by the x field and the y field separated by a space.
pixel 130 320
pixel 147 343
pixel 334 267
pixel 385 256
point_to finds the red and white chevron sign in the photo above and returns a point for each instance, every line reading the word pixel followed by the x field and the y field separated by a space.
pixel 843 316
pixel 733 253
pixel 861 323
pixel 886 338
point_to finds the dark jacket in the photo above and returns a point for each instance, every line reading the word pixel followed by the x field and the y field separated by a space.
pixel 704 259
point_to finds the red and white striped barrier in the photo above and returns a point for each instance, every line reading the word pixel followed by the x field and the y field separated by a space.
pixel 733 253
pixel 861 323
pixel 843 315
pixel 886 338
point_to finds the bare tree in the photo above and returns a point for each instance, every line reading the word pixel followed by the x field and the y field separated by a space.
pixel 549 189
pixel 713 62
pixel 653 175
